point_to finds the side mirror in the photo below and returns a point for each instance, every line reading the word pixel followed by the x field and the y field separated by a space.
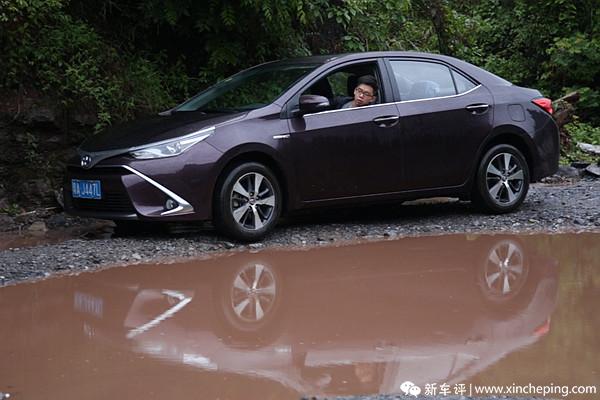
pixel 311 103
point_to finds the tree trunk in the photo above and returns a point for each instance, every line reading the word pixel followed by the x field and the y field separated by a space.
pixel 564 109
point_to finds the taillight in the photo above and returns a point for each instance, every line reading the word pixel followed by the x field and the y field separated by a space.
pixel 544 103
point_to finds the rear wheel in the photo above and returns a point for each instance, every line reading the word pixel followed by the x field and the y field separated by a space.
pixel 248 202
pixel 502 179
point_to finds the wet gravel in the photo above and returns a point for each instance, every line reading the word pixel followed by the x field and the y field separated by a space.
pixel 563 206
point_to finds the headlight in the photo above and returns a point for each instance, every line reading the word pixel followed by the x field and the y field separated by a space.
pixel 172 147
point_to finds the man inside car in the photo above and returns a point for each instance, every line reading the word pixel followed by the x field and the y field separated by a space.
pixel 364 92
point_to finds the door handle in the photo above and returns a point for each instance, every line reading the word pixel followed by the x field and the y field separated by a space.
pixel 477 108
pixel 387 121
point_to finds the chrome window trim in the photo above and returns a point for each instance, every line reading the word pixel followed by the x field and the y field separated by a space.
pixel 183 208
pixel 441 97
pixel 395 102
pixel 349 109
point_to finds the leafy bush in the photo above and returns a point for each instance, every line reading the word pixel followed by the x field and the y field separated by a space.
pixel 69 61
pixel 124 59
pixel 580 132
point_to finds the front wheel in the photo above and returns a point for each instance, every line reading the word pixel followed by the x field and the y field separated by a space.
pixel 502 179
pixel 248 202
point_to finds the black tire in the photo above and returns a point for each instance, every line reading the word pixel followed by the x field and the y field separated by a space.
pixel 247 217
pixel 502 179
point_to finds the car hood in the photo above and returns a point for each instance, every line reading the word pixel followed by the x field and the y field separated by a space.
pixel 151 130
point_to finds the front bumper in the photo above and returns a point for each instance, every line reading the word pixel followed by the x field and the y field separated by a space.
pixel 115 202
pixel 126 194
pixel 141 190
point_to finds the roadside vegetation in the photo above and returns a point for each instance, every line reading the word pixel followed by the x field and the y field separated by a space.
pixel 99 62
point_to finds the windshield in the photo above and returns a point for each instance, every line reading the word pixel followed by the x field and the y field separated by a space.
pixel 248 90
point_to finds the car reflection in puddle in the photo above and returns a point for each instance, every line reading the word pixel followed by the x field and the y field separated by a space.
pixel 333 321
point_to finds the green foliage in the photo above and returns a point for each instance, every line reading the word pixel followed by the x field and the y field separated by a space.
pixel 583 132
pixel 532 43
pixel 122 59
pixel 589 104
pixel 12 209
pixel 15 11
pixel 573 58
pixel 236 34
pixel 31 148
pixel 580 132
pixel 391 25
pixel 70 61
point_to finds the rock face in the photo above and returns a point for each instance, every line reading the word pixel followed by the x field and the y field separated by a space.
pixel 40 189
pixel 41 114
pixel 37 136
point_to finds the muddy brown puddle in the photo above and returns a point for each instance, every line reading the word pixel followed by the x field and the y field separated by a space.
pixel 286 324
pixel 14 240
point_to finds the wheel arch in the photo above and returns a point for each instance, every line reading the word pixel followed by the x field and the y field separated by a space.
pixel 513 136
pixel 260 154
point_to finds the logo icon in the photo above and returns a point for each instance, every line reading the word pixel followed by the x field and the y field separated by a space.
pixel 86 161
pixel 409 388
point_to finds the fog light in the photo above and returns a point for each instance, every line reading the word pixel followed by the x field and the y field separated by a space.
pixel 171 204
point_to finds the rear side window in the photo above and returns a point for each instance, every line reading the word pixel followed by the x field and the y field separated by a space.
pixel 462 83
pixel 424 80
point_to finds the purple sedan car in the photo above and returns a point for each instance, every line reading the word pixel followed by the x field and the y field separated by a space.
pixel 274 139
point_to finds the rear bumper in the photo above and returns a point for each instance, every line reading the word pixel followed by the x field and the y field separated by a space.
pixel 547 143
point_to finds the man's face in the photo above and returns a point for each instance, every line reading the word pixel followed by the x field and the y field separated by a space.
pixel 363 95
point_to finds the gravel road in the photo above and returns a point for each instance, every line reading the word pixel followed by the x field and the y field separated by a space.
pixel 564 206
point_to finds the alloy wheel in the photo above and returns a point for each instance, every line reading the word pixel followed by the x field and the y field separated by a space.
pixel 252 201
pixel 505 179
pixel 505 270
pixel 253 293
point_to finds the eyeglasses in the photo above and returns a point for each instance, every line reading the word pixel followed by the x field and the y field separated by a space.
pixel 361 92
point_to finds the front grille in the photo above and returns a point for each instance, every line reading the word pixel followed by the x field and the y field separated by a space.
pixel 114 196
pixel 116 202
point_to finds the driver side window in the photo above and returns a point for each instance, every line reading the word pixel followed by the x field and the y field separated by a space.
pixel 339 86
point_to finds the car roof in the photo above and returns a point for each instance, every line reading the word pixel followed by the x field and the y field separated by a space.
pixel 478 73
pixel 369 54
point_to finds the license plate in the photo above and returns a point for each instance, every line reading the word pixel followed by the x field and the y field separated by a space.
pixel 88 304
pixel 83 189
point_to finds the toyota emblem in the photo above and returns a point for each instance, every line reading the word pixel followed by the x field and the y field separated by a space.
pixel 86 161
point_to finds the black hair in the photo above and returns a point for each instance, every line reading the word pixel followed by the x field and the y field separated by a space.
pixel 368 80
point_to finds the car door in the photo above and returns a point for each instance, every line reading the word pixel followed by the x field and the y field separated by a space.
pixel 347 152
pixel 444 117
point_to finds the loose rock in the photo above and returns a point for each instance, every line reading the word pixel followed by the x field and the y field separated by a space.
pixel 38 227
pixel 589 148
pixel 593 170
